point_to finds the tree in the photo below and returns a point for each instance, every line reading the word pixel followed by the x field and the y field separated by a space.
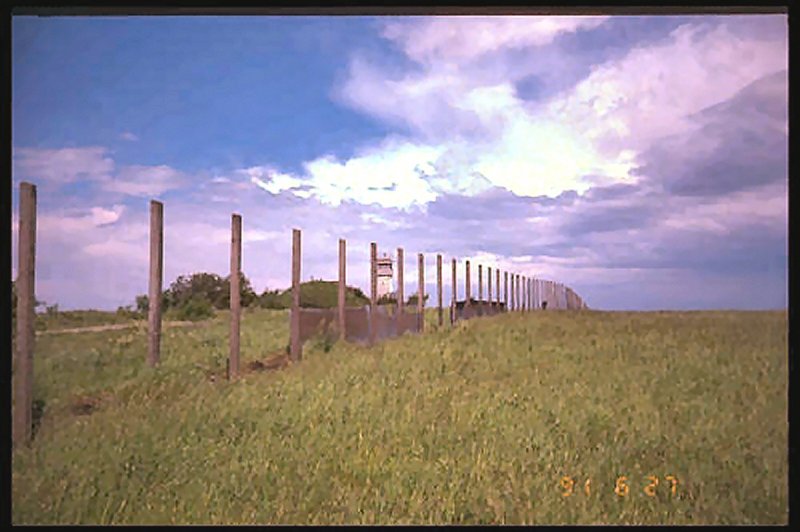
pixel 209 287
pixel 412 300
pixel 36 302
pixel 386 299
pixel 185 287
pixel 247 296
pixel 273 299
pixel 143 303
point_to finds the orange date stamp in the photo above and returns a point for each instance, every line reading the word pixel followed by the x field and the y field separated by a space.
pixel 622 486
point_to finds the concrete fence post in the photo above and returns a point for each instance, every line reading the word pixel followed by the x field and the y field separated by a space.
pixel 468 292
pixel 373 289
pixel 439 289
pixel 235 294
pixel 342 287
pixel 454 296
pixel 513 300
pixel 155 284
pixel 480 284
pixel 530 294
pixel 296 349
pixel 489 285
pixel 505 290
pixel 524 294
pixel 421 293
pixel 497 285
pixel 400 282
pixel 26 316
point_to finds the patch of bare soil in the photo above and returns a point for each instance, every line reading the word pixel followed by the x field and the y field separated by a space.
pixel 85 405
pixel 272 363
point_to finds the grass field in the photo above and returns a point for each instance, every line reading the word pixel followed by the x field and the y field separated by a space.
pixel 477 424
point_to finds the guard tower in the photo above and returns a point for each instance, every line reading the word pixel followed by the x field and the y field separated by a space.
pixel 384 266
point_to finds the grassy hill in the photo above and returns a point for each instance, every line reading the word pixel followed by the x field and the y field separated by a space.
pixel 317 294
pixel 476 424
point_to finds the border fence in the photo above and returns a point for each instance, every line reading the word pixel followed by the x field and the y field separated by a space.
pixel 362 324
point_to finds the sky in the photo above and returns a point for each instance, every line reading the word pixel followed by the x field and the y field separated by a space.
pixel 641 161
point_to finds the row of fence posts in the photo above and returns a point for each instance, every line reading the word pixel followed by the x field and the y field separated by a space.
pixel 25 312
pixel 522 291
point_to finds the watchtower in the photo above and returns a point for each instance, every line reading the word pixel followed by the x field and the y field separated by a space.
pixel 384 265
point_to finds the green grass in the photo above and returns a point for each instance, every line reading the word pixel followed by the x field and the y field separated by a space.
pixel 69 319
pixel 476 424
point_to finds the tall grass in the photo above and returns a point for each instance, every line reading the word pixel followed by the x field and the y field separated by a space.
pixel 474 424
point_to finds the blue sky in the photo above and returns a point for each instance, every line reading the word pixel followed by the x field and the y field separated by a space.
pixel 639 160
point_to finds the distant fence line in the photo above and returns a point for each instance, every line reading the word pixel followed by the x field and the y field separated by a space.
pixel 365 324
pixel 370 323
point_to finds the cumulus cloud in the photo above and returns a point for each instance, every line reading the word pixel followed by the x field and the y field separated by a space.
pixel 451 38
pixel 127 135
pixel 651 91
pixel 139 180
pixel 63 165
pixel 737 144
pixel 657 181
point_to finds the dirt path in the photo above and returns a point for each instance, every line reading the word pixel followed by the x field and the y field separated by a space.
pixel 117 326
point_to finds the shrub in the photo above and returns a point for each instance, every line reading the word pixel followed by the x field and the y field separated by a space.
pixel 195 309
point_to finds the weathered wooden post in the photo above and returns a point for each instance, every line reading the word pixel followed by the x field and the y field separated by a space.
pixel 342 287
pixel 373 290
pixel 26 316
pixel 467 286
pixel 480 284
pixel 235 294
pixel 400 283
pixel 530 294
pixel 454 295
pixel 513 301
pixel 295 352
pixel 439 288
pixel 497 278
pixel 154 288
pixel 489 286
pixel 421 293
pixel 505 290
pixel 519 292
pixel 524 294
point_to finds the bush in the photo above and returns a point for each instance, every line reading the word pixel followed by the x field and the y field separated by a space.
pixel 412 300
pixel 195 309
pixel 386 300
pixel 274 299
pixel 131 313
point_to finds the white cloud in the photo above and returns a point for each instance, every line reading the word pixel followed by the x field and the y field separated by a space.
pixel 64 165
pixel 649 93
pixel 765 206
pixel 588 136
pixel 272 181
pixel 84 221
pixel 127 135
pixel 458 38
pixel 101 216
pixel 145 180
